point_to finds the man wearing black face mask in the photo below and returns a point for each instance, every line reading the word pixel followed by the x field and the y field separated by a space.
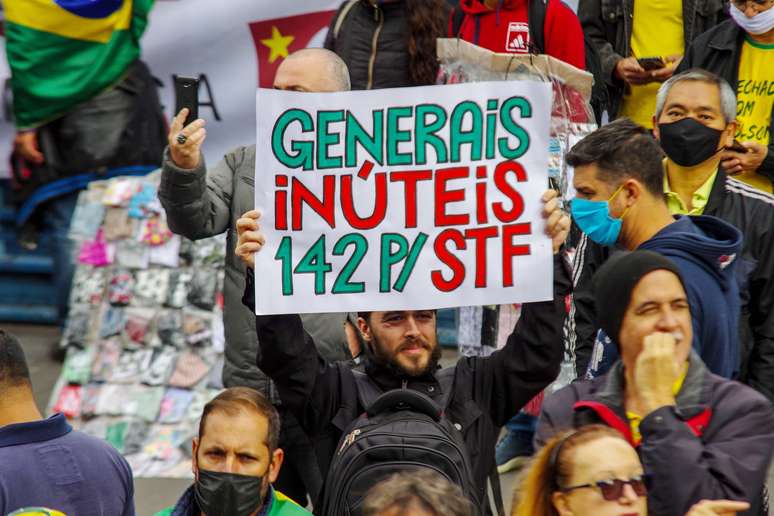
pixel 235 460
pixel 741 51
pixel 695 119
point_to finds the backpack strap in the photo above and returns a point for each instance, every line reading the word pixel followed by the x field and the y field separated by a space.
pixel 342 16
pixel 536 18
pixel 494 480
pixel 445 379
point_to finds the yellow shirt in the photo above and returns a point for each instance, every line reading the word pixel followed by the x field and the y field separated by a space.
pixel 754 100
pixel 636 419
pixel 698 199
pixel 657 31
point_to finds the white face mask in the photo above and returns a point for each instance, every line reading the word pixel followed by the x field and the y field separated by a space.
pixel 761 23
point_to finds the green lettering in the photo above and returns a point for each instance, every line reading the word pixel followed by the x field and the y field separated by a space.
pixel 395 135
pixel 510 125
pixel 284 253
pixel 303 151
pixel 458 137
pixel 373 144
pixel 390 258
pixel 314 262
pixel 425 133
pixel 325 139
pixel 343 285
pixel 411 261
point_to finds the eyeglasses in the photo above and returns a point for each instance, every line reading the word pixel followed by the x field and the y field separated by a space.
pixel 612 489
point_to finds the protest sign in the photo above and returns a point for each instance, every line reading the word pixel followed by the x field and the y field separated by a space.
pixel 403 198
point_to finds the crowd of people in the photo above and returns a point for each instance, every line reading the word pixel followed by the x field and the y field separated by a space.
pixel 662 279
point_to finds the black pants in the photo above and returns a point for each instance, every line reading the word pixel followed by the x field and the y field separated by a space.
pixel 300 475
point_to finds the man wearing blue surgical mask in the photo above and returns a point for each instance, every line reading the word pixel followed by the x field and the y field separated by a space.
pixel 741 51
pixel 619 179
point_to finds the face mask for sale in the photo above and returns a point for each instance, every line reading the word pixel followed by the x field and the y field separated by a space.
pixel 688 142
pixel 761 23
pixel 228 494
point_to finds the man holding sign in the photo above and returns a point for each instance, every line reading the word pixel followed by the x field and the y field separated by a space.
pixel 463 171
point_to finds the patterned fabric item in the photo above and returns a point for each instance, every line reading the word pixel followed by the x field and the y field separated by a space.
pixel 121 286
pixel 118 225
pixel 106 360
pixel 132 254
pixel 169 324
pixel 132 364
pixel 151 287
pixel 189 371
pixel 88 287
pixel 178 288
pixel 161 368
pixel 174 406
pixel 69 401
pixel 201 291
pixel 89 398
pixel 144 203
pixel 113 321
pixel 155 232
pixel 86 220
pixel 166 254
pixel 77 366
pixel 77 329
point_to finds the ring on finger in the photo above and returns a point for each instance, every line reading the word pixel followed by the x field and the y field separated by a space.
pixel 181 139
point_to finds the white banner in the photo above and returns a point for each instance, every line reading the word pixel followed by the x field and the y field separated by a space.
pixel 404 198
pixel 228 44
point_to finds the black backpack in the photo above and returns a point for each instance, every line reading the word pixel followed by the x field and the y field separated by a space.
pixel 401 430
pixel 536 15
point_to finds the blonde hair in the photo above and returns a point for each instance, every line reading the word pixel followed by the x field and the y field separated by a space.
pixel 551 468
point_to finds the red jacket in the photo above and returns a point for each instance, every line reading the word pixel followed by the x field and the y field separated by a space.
pixel 505 29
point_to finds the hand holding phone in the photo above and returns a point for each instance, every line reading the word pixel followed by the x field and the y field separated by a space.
pixel 187 96
pixel 651 63
pixel 737 146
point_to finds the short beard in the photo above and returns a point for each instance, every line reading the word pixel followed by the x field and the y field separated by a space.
pixel 390 362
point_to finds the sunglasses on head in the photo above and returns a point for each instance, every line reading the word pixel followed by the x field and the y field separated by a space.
pixel 612 489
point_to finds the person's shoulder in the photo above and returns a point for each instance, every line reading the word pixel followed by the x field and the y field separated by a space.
pixel 286 507
pixel 563 399
pixel 755 208
pixel 93 448
pixel 732 398
pixel 724 31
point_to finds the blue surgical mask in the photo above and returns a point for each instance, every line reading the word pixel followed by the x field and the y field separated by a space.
pixel 761 23
pixel 593 218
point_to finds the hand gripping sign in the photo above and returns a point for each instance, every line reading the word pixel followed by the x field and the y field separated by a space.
pixel 403 198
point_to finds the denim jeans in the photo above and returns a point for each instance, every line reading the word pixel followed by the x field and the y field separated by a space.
pixel 522 422
pixel 57 214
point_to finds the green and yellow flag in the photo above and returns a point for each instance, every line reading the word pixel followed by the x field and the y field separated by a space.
pixel 64 52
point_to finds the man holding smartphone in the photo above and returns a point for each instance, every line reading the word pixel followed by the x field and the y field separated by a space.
pixel 641 43
pixel 200 203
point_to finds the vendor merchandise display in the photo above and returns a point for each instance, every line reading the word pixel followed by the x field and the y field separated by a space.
pixel 144 335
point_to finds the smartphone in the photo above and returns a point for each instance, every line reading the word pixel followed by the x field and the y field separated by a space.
pixel 737 147
pixel 187 96
pixel 651 63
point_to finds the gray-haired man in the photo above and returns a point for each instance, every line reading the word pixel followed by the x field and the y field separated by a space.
pixel 201 203
pixel 696 110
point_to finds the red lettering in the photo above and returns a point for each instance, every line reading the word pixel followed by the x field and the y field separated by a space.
pixel 280 209
pixel 501 182
pixel 444 196
pixel 449 259
pixel 480 235
pixel 482 216
pixel 510 250
pixel 301 195
pixel 380 203
pixel 410 180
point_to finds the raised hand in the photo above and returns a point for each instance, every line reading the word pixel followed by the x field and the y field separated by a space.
pixel 185 142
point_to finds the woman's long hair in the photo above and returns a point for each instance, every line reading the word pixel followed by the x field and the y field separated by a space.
pixel 426 20
pixel 551 468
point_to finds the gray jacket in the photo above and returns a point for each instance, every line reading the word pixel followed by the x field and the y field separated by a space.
pixel 608 25
pixel 200 204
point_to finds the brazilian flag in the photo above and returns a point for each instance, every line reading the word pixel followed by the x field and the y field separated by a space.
pixel 64 52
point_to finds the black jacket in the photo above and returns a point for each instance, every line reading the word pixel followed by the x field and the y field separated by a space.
pixel 608 25
pixel 372 40
pixel 487 391
pixel 751 212
pixel 716 443
pixel 718 51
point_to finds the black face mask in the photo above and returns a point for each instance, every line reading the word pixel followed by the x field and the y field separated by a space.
pixel 228 494
pixel 689 142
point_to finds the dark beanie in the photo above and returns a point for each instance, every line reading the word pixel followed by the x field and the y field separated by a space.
pixel 614 283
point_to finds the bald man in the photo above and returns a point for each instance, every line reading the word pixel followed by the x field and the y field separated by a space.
pixel 201 203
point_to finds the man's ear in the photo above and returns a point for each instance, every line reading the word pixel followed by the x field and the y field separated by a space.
pixel 633 190
pixel 194 462
pixel 560 503
pixel 276 464
pixel 365 329
pixel 656 132
pixel 727 138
